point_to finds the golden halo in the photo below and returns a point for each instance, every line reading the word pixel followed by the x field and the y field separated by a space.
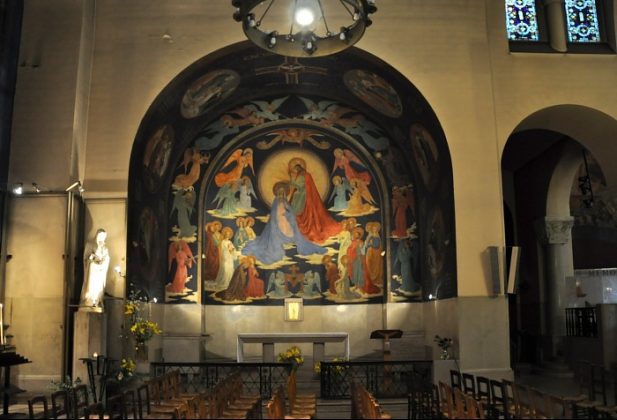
pixel 296 162
pixel 275 168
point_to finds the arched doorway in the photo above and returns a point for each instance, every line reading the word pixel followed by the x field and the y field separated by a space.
pixel 368 201
pixel 541 166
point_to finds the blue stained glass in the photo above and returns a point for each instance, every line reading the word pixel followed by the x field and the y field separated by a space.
pixel 582 17
pixel 522 20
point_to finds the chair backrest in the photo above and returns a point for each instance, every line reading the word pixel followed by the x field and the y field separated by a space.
pixel 474 408
pixel 94 411
pixel 483 391
pixel 116 407
pixel 522 402
pixel 459 404
pixel 538 403
pixel 597 388
pixel 80 400
pixel 37 407
pixel 130 403
pixel 499 404
pixel 455 379
pixel 143 400
pixel 60 404
pixel 558 408
pixel 445 396
pixel 182 411
pixel 469 384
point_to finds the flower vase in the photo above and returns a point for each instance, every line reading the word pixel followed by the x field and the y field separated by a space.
pixel 445 354
pixel 142 365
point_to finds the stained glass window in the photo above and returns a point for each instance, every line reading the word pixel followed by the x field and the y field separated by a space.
pixel 522 20
pixel 582 18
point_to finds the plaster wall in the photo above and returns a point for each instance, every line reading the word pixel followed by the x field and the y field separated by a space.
pixel 479 91
pixel 35 286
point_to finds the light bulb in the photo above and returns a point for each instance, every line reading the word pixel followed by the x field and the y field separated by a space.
pixel 304 16
pixel 18 189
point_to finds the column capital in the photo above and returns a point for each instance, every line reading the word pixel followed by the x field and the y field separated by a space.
pixel 553 231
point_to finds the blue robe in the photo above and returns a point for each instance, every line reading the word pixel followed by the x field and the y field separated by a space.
pixel 268 247
pixel 405 256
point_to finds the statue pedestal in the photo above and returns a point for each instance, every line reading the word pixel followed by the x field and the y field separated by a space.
pixel 89 337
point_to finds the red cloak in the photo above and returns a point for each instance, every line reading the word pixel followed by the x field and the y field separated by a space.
pixel 315 222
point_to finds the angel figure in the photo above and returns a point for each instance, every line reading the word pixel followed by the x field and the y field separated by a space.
pixel 311 287
pixel 242 158
pixel 246 191
pixel 316 111
pixel 265 109
pixel 402 200
pixel 225 199
pixel 186 180
pixel 277 285
pixel 359 194
pixel 339 193
pixel 180 252
pixel 348 162
pixel 215 133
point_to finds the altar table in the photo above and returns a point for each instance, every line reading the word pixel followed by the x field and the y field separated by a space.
pixel 268 339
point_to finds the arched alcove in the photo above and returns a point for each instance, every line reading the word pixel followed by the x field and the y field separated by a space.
pixel 350 117
pixel 541 163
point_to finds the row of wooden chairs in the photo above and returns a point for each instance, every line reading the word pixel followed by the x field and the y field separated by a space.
pixel 228 401
pixel 507 399
pixel 276 407
pixel 73 403
pixel 364 405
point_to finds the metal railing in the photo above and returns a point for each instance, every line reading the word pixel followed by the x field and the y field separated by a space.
pixel 581 322
pixel 257 378
pixel 390 379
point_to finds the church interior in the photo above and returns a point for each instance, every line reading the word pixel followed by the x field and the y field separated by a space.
pixel 402 208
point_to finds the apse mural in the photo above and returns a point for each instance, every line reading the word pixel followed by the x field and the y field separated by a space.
pixel 293 209
pixel 260 180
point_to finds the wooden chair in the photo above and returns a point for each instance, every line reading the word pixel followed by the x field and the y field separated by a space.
pixel 483 390
pixel 60 404
pixel 522 402
pixel 469 384
pixel 539 407
pixel 446 402
pixel 474 408
pixel 276 406
pixel 459 404
pixel 609 410
pixel 455 379
pixel 508 388
pixel 37 407
pixel 116 407
pixel 130 403
pixel 303 404
pixel 145 409
pixel 499 404
pixel 558 408
pixel 182 412
pixel 95 411
pixel 596 394
pixel 80 400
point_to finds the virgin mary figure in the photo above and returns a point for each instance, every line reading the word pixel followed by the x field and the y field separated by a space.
pixel 281 229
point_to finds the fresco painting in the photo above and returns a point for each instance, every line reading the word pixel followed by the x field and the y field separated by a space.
pixel 277 222
pixel 207 91
pixel 375 91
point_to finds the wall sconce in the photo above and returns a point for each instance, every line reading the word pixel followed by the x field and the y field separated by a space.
pixel 294 309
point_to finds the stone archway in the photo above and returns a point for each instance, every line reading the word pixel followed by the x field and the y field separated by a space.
pixel 542 158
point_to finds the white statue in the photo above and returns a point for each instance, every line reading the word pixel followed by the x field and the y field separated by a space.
pixel 96 265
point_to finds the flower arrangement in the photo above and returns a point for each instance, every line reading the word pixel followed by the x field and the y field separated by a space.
pixel 444 343
pixel 141 327
pixel 127 368
pixel 292 355
pixel 337 368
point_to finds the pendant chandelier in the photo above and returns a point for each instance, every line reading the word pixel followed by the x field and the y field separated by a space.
pixel 304 28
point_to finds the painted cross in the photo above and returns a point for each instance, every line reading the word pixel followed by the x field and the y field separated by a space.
pixel 292 69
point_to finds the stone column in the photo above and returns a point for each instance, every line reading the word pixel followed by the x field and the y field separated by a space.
pixel 554 234
pixel 555 19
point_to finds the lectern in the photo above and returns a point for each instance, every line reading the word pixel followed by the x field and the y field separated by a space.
pixel 386 335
